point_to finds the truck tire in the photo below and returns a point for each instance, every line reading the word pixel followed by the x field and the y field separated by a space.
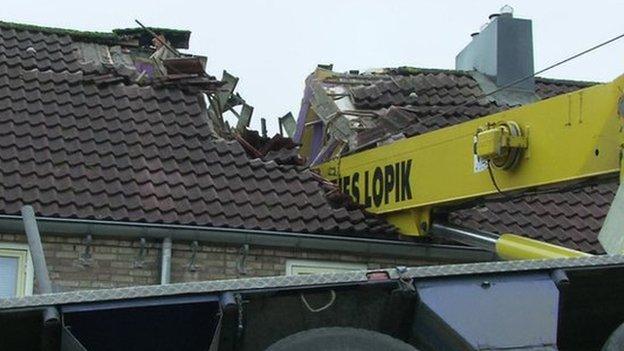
pixel 615 342
pixel 340 339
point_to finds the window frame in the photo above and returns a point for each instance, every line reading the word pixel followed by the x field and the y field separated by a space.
pixel 25 269
pixel 300 267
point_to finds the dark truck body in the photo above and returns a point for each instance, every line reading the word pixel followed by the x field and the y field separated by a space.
pixel 564 304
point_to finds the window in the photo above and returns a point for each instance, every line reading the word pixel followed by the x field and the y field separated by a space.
pixel 297 267
pixel 16 270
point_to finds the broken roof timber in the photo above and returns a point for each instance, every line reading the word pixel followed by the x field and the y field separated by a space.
pixel 402 102
pixel 142 152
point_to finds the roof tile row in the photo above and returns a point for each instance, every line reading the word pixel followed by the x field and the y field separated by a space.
pixel 74 148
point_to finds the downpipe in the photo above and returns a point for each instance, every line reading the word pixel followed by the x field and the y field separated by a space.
pixel 165 269
pixel 51 317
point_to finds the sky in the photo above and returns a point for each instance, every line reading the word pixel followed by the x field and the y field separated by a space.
pixel 273 45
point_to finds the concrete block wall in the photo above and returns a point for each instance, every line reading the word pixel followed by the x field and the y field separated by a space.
pixel 110 263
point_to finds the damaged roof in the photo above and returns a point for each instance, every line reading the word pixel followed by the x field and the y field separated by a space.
pixel 82 137
pixel 344 113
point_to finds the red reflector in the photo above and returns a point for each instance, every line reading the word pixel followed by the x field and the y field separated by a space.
pixel 378 275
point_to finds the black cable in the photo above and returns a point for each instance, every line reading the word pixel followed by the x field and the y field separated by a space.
pixel 557 190
pixel 489 167
pixel 521 194
pixel 507 86
pixel 557 64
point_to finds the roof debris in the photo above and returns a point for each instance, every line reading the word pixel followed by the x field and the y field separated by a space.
pixel 387 104
pixel 92 129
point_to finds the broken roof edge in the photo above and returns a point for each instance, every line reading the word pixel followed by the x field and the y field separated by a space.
pixel 585 83
pixel 73 33
pixel 409 70
pixel 179 38
pixel 317 100
pixel 323 75
pixel 413 70
pixel 324 242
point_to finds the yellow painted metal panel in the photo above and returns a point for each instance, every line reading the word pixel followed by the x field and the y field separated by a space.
pixel 514 247
pixel 489 143
pixel 570 137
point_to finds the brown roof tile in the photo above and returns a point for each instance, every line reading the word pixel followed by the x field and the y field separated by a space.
pixel 74 148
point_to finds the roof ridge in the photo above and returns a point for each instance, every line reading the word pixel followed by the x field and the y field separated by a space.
pixel 155 29
pixel 568 81
pixel 73 33
pixel 410 70
pixel 115 36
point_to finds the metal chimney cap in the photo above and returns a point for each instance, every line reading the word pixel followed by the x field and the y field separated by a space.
pixel 507 10
pixel 494 15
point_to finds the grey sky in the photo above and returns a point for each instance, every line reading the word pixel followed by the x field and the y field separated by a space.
pixel 273 45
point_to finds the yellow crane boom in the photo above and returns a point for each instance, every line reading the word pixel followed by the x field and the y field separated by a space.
pixel 563 139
